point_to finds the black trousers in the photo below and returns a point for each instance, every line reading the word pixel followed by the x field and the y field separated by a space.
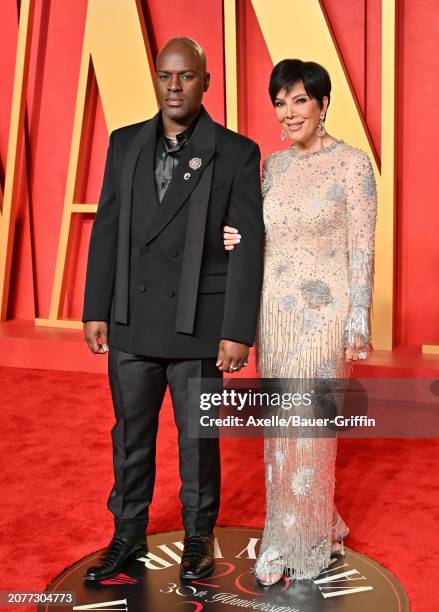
pixel 138 385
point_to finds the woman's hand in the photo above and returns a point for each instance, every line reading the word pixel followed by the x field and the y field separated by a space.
pixel 357 351
pixel 231 237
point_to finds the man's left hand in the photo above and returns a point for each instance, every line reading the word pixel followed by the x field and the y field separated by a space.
pixel 232 356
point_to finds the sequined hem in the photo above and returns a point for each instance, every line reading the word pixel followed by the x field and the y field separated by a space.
pixel 269 567
pixel 313 566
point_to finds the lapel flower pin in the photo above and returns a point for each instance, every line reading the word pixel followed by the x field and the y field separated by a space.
pixel 195 163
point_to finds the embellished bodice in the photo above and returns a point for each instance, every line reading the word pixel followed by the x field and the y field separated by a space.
pixel 304 206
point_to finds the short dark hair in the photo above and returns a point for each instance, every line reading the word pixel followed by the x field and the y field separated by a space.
pixel 314 77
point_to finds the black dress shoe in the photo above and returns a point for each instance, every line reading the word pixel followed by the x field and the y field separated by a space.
pixel 197 559
pixel 120 550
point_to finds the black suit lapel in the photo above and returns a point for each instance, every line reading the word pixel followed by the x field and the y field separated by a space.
pixel 201 146
pixel 144 200
pixel 145 135
pixel 193 253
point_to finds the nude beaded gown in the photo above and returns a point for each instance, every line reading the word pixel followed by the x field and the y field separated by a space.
pixel 320 214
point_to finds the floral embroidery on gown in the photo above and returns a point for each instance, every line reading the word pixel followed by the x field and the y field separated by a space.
pixel 320 215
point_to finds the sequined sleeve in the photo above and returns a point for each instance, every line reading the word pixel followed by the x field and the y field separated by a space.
pixel 361 220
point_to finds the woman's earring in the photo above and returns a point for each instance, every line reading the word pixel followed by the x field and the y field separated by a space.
pixel 284 135
pixel 321 129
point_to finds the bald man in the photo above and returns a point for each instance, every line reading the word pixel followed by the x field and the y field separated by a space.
pixel 166 301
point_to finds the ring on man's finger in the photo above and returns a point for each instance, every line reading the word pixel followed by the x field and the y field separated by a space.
pixel 232 368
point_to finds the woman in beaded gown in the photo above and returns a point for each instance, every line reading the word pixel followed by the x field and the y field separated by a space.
pixel 319 213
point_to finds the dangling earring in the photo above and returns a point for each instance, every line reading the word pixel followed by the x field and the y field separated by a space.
pixel 321 129
pixel 284 135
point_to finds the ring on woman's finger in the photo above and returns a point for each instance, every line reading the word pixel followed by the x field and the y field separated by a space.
pixel 245 364
pixel 362 355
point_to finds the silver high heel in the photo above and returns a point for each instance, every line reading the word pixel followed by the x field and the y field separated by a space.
pixel 272 568
pixel 269 579
pixel 339 532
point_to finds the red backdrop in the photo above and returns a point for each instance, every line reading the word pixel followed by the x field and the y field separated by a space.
pixel 55 58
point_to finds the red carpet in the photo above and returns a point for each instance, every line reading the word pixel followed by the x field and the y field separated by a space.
pixel 56 474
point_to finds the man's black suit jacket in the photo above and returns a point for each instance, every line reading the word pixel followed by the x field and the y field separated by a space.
pixel 158 273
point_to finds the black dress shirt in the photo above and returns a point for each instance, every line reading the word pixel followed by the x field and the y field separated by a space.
pixel 167 156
